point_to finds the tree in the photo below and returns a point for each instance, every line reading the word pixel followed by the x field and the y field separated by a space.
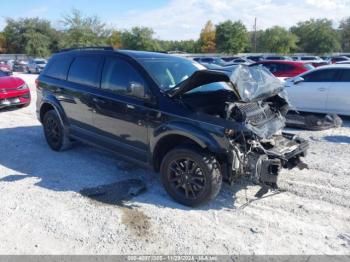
pixel 345 34
pixel 80 31
pixel 2 43
pixel 139 38
pixel 33 36
pixel 207 38
pixel 317 36
pixel 115 39
pixel 278 40
pixel 231 37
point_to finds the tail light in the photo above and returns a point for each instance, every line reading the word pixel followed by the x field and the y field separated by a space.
pixel 37 83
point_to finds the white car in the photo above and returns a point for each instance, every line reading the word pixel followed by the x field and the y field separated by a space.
pixel 325 89
pixel 36 65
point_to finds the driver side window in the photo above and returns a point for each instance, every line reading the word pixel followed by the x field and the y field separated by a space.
pixel 118 75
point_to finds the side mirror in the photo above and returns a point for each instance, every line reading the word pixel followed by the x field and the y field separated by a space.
pixel 138 90
pixel 298 80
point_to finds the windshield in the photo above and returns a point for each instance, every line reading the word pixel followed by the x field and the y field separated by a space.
pixel 168 72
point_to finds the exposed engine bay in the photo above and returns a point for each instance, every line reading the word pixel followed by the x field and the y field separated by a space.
pixel 261 150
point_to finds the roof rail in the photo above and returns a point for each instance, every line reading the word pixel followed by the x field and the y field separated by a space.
pixel 109 48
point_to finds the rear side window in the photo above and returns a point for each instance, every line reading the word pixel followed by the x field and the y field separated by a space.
pixel 85 70
pixel 59 67
pixel 285 67
pixel 325 75
pixel 118 75
pixel 345 75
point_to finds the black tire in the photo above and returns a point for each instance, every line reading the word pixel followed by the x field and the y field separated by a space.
pixel 54 132
pixel 199 184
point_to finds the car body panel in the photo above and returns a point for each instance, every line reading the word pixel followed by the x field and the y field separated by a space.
pixel 13 91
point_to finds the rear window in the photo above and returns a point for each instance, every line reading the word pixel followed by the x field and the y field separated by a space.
pixel 59 67
pixel 85 70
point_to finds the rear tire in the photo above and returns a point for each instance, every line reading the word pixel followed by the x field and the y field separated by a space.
pixel 54 132
pixel 191 177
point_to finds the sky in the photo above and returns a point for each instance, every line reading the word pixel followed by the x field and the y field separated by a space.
pixel 180 19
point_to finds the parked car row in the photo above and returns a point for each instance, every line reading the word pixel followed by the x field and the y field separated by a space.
pixel 35 65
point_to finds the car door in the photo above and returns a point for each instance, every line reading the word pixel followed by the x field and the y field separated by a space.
pixel 120 118
pixel 338 101
pixel 310 95
pixel 83 78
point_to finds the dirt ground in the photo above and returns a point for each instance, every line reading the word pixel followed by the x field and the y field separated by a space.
pixel 42 209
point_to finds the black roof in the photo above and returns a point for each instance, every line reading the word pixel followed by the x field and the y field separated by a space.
pixel 131 53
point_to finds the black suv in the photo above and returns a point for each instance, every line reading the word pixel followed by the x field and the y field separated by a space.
pixel 196 127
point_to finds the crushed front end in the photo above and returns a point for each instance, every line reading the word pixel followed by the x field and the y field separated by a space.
pixel 263 149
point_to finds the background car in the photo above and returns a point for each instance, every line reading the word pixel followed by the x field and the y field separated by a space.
pixel 285 69
pixel 5 67
pixel 336 59
pixel 347 62
pixel 322 90
pixel 255 58
pixel 2 73
pixel 20 66
pixel 212 60
pixel 13 92
pixel 277 57
pixel 316 61
pixel 36 65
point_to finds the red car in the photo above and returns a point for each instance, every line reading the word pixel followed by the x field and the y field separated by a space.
pixel 13 92
pixel 283 68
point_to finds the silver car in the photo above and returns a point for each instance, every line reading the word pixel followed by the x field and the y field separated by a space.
pixel 36 66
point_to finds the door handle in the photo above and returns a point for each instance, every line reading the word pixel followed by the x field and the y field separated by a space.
pixel 99 100
pixel 130 106
pixel 322 89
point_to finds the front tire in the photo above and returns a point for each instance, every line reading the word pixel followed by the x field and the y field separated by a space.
pixel 54 132
pixel 190 176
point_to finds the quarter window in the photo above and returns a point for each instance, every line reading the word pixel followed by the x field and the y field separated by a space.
pixel 59 67
pixel 85 70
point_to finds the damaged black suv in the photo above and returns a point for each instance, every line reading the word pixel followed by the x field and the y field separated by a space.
pixel 195 126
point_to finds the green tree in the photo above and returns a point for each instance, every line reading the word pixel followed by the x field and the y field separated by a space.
pixel 231 37
pixel 115 39
pixel 80 30
pixel 33 36
pixel 278 40
pixel 345 34
pixel 139 38
pixel 317 36
pixel 207 38
pixel 2 43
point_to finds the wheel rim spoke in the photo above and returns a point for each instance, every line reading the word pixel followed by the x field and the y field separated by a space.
pixel 186 177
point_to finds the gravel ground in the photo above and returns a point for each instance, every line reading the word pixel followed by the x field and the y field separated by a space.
pixel 42 211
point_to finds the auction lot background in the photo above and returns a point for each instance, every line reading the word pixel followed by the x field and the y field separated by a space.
pixel 43 212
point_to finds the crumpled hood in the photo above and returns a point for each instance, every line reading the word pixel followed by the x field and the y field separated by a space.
pixel 251 83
